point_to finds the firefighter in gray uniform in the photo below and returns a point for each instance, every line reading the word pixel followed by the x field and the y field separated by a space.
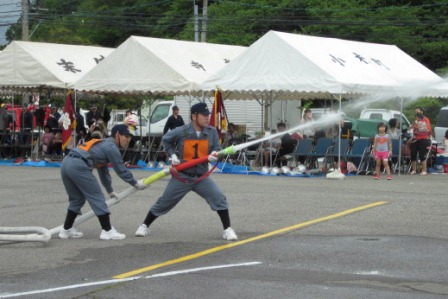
pixel 81 184
pixel 193 141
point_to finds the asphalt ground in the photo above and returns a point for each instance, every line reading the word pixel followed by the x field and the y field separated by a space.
pixel 298 238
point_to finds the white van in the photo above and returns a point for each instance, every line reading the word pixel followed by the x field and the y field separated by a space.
pixel 243 113
pixel 159 116
pixel 441 125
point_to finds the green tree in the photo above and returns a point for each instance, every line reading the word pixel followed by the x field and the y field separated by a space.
pixel 417 27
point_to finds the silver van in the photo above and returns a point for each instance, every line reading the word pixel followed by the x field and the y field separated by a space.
pixel 441 125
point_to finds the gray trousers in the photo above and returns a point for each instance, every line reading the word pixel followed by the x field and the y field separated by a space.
pixel 82 185
pixel 176 190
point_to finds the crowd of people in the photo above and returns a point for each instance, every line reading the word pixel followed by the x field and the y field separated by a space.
pixel 182 143
pixel 416 142
pixel 51 120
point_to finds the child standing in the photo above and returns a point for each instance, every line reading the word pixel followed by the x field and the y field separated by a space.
pixel 445 143
pixel 382 150
pixel 47 139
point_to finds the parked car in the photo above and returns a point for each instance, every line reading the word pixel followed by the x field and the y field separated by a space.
pixel 441 125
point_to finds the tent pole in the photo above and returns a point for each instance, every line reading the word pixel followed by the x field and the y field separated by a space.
pixel 400 137
pixel 271 125
pixel 339 132
pixel 74 131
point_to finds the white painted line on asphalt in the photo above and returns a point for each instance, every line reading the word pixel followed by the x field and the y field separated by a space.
pixel 249 240
pixel 74 286
pixel 368 273
pixel 113 281
pixel 201 269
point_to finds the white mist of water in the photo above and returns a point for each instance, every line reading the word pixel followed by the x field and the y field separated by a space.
pixel 405 94
pixel 326 120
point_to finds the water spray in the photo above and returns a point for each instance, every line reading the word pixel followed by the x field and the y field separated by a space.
pixel 41 234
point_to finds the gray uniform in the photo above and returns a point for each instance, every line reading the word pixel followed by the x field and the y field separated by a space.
pixel 81 184
pixel 178 188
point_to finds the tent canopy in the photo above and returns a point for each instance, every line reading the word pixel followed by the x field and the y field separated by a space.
pixel 31 64
pixel 300 66
pixel 144 65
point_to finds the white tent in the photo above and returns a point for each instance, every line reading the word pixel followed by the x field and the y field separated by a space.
pixel 158 66
pixel 32 64
pixel 300 66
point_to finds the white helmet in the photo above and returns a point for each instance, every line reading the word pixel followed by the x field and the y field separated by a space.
pixel 275 170
pixel 265 170
pixel 286 170
pixel 301 168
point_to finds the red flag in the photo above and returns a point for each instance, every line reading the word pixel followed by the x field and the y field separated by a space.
pixel 69 122
pixel 218 117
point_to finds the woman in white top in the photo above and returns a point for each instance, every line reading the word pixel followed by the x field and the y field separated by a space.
pixel 309 131
pixel 393 131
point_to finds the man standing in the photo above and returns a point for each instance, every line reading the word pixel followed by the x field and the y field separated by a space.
pixel 81 184
pixel 174 121
pixel 53 119
pixel 79 120
pixel 194 140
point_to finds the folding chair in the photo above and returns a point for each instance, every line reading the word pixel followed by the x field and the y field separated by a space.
pixel 286 153
pixel 301 151
pixel 25 143
pixel 321 150
pixel 333 153
pixel 233 158
pixel 258 161
pixel 360 154
pixel 6 145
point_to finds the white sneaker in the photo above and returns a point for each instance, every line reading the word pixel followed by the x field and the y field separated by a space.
pixel 71 233
pixel 229 234
pixel 142 231
pixel 111 235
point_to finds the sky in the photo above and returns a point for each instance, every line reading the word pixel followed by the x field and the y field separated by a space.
pixel 10 11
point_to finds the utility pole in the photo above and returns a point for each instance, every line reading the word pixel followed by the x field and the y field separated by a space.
pixel 204 21
pixel 196 22
pixel 25 20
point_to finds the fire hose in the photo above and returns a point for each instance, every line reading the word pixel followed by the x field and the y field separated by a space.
pixel 41 234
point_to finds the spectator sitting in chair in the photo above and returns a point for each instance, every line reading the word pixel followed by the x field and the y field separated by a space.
pixel 287 143
pixel 270 148
pixel 230 135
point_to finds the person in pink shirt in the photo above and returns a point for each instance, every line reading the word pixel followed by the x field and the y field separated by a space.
pixel 382 150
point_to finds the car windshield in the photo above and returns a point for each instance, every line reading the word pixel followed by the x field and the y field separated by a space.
pixel 442 121
pixel 161 112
